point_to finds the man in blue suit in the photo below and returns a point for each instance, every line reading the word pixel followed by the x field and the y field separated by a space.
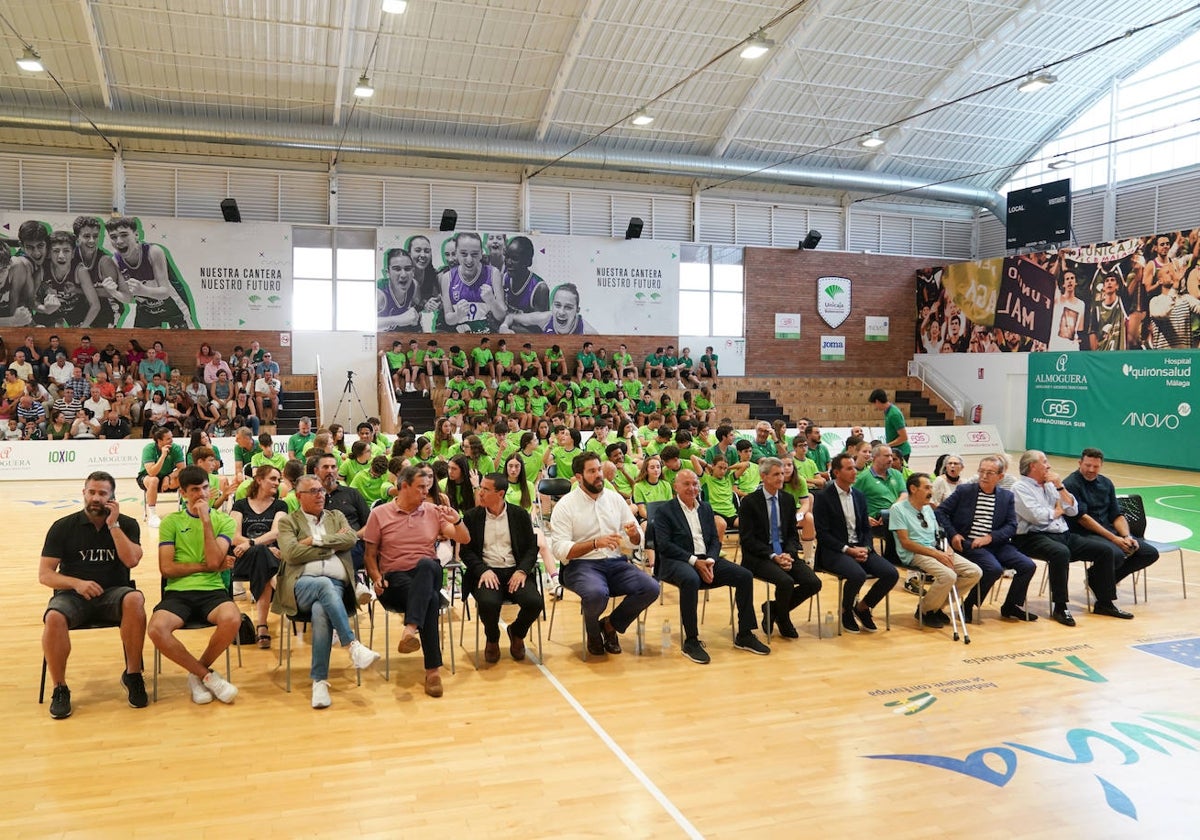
pixel 688 555
pixel 980 519
pixel 844 545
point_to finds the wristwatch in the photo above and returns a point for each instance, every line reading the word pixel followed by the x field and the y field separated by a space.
pixel 252 542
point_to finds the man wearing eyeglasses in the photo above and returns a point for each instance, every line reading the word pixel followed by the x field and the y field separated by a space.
pixel 500 558
pixel 980 519
pixel 915 526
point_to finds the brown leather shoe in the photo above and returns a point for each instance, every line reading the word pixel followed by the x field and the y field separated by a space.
pixel 612 639
pixel 433 685
pixel 491 652
pixel 516 645
pixel 409 644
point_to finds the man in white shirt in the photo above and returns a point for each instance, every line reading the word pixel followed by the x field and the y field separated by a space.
pixel 60 374
pixel 589 529
pixel 96 403
pixel 1042 504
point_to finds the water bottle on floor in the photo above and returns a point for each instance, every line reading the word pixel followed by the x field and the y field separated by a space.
pixel 666 637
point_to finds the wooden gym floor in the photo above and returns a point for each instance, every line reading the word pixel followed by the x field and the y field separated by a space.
pixel 1030 731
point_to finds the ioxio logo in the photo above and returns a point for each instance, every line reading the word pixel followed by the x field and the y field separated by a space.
pixel 61 456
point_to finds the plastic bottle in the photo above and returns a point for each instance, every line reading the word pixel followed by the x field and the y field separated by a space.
pixel 666 637
pixel 829 626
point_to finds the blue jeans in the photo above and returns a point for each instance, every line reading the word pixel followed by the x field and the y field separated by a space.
pixel 322 598
pixel 594 581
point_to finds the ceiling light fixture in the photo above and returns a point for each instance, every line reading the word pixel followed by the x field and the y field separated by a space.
pixel 395 7
pixel 641 118
pixel 363 89
pixel 1060 162
pixel 872 142
pixel 30 62
pixel 1035 82
pixel 758 46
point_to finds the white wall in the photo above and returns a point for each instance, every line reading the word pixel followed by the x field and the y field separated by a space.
pixel 339 352
pixel 995 381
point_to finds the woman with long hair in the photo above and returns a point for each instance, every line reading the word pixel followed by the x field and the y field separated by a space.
pixel 256 557
pixel 337 432
pixel 444 443
pixel 649 486
pixel 200 438
pixel 796 487
pixel 460 484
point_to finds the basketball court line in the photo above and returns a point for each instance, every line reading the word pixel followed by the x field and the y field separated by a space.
pixel 639 774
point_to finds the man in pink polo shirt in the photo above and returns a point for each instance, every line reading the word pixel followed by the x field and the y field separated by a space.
pixel 401 561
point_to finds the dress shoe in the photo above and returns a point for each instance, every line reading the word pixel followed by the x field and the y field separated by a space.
pixel 784 624
pixel 409 644
pixel 433 685
pixel 612 639
pixel 595 647
pixel 766 624
pixel 491 652
pixel 1110 609
pixel 929 619
pixel 516 645
pixel 1063 616
pixel 1017 613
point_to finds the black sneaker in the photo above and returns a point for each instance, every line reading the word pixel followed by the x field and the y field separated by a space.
pixel 694 650
pixel 849 625
pixel 135 687
pixel 864 618
pixel 60 702
pixel 748 641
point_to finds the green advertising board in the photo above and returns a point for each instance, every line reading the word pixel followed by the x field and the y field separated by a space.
pixel 1135 405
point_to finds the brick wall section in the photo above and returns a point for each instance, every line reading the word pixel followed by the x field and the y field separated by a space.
pixel 780 280
pixel 181 345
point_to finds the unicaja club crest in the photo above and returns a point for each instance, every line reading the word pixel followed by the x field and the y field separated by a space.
pixel 833 299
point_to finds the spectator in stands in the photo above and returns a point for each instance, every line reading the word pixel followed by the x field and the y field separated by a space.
pixel 152 365
pixel 214 367
pixel 949 473
pixel 708 365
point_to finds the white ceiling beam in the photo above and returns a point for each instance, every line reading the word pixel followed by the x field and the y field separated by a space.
pixel 772 70
pixel 586 18
pixel 102 77
pixel 349 13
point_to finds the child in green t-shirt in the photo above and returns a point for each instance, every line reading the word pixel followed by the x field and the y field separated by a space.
pixel 483 360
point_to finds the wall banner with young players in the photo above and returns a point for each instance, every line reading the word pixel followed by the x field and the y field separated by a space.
pixel 1132 294
pixel 1133 406
pixel 491 282
pixel 68 270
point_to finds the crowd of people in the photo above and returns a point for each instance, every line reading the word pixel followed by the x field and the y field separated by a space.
pixel 323 529
pixel 59 393
pixel 522 384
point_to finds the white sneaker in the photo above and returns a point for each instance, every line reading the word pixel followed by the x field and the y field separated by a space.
pixel 361 656
pixel 409 388
pixel 320 699
pixel 222 689
pixel 200 694
pixel 365 594
pixel 154 521
pixel 239 589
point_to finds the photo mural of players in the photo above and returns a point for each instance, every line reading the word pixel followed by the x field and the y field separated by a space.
pixel 488 282
pixel 66 278
pixel 1139 293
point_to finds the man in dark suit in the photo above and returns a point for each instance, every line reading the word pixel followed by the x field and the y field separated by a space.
pixel 688 555
pixel 844 545
pixel 771 548
pixel 500 558
pixel 980 519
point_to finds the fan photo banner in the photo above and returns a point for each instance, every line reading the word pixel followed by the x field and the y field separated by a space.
pixel 468 282
pixel 1132 294
pixel 66 270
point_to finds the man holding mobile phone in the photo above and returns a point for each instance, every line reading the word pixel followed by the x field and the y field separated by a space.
pixel 86 560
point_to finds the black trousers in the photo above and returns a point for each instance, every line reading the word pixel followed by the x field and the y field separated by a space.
pixel 685 576
pixel 1058 550
pixel 793 586
pixel 854 574
pixel 489 601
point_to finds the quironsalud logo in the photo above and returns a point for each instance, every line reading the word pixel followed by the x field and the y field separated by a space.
pixel 833 299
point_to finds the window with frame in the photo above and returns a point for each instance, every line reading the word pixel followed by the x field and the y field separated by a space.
pixel 711 291
pixel 334 276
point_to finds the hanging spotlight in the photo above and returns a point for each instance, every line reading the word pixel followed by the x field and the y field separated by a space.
pixel 363 89
pixel 872 142
pixel 641 118
pixel 758 46
pixel 395 7
pixel 30 61
pixel 1034 83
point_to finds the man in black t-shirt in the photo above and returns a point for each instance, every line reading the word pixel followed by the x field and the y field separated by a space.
pixel 86 561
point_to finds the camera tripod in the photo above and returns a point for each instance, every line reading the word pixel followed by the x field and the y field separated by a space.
pixel 347 390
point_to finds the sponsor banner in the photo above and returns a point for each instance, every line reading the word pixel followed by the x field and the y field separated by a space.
pixel 833 300
pixel 932 441
pixel 41 460
pixel 148 273
pixel 1135 406
pixel 833 348
pixel 787 325
pixel 877 328
pixel 490 282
